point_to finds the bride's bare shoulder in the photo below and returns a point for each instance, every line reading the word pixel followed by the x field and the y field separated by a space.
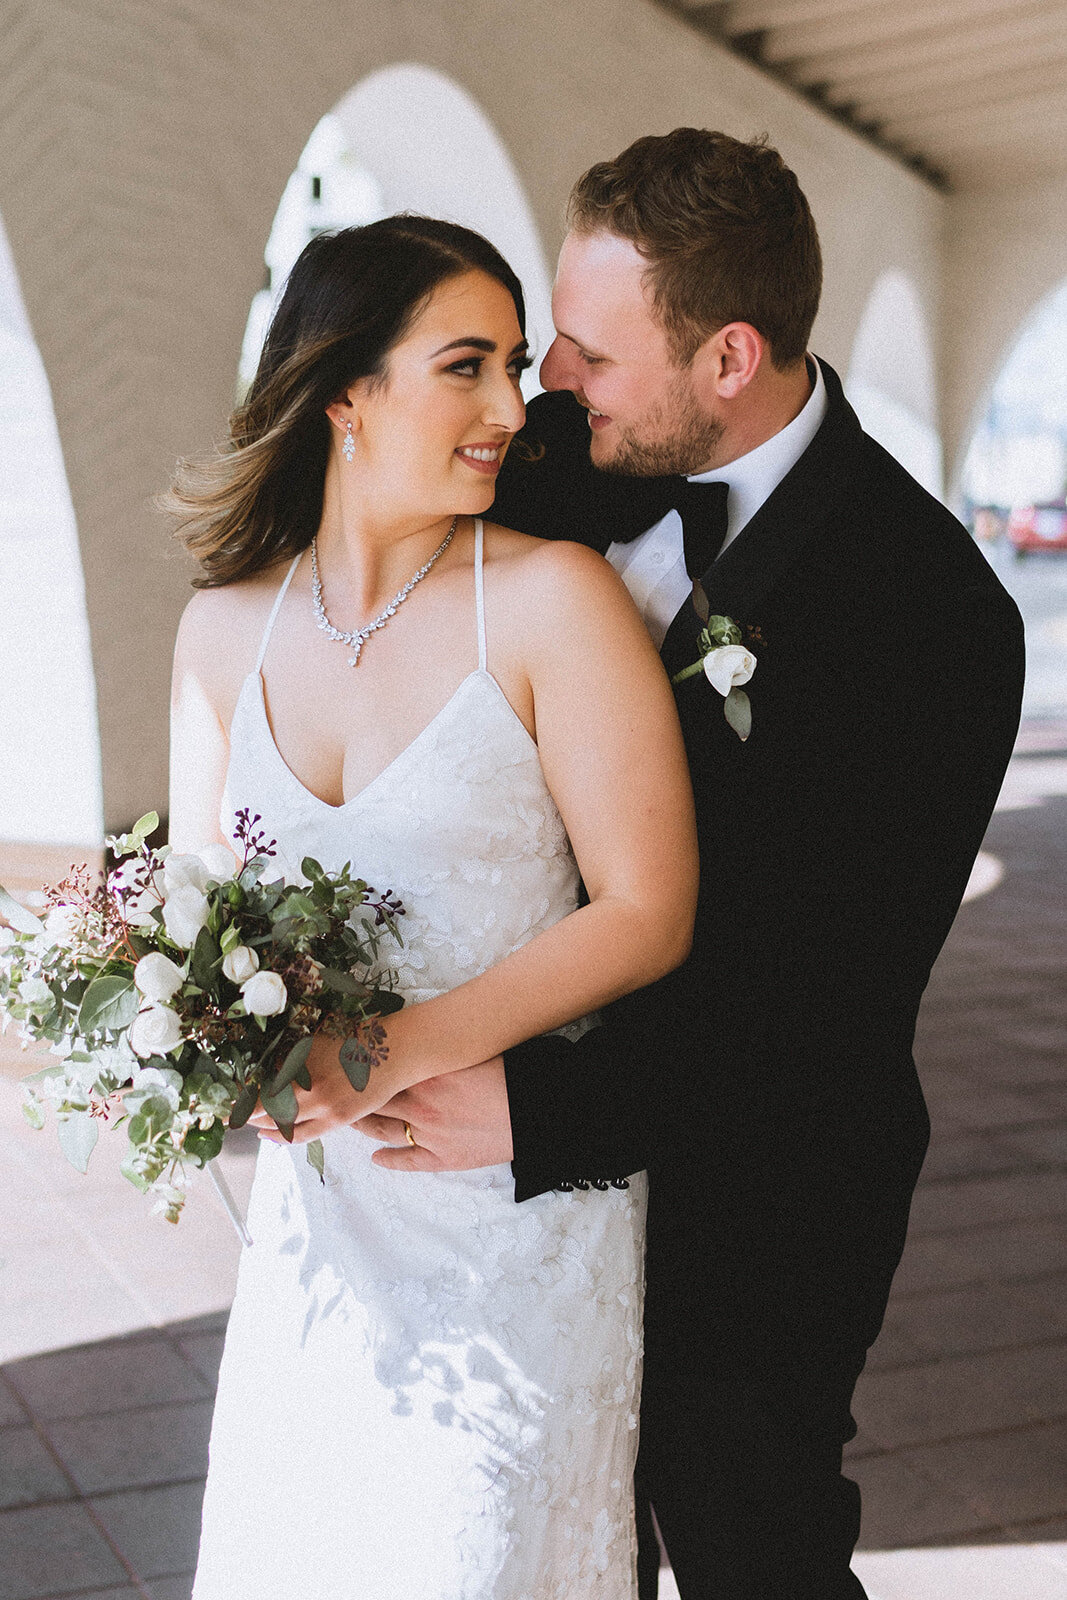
pixel 551 570
pixel 220 630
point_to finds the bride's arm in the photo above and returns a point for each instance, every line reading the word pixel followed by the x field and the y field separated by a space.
pixel 199 745
pixel 612 753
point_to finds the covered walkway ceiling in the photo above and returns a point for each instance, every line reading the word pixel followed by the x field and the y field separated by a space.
pixel 970 92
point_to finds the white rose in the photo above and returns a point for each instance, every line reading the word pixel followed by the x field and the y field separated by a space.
pixel 240 964
pixel 138 907
pixel 155 1030
pixel 728 667
pixel 264 994
pixel 185 912
pixel 157 977
pixel 65 923
pixel 151 1083
pixel 184 872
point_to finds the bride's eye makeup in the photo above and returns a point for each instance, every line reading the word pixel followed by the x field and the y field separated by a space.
pixel 470 366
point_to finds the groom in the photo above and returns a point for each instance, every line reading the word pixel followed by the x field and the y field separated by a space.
pixel 768 1086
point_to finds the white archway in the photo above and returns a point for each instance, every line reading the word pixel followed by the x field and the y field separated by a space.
pixel 407 138
pixel 49 739
pixel 1017 450
pixel 891 378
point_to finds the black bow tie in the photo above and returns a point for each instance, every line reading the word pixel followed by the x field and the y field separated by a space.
pixel 702 508
pixel 623 508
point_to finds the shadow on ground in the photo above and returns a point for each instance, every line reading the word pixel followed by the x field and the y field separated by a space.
pixel 962 1410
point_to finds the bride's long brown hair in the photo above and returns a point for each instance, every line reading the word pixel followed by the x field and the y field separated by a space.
pixel 349 299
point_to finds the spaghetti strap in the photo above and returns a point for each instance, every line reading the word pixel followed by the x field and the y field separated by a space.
pixel 479 591
pixel 279 597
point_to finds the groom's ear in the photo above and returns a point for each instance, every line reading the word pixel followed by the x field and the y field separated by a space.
pixel 728 360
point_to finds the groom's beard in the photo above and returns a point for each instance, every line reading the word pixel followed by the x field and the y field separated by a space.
pixel 675 437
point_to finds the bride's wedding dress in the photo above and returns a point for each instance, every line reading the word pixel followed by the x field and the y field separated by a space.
pixel 428 1392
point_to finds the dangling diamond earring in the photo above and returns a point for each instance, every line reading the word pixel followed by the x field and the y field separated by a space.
pixel 348 448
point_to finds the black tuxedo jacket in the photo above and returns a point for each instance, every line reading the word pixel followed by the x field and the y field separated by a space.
pixel 768 1085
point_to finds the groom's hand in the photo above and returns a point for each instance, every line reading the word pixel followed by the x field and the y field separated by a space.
pixel 458 1122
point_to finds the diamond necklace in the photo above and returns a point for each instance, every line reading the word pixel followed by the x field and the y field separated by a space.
pixel 359 636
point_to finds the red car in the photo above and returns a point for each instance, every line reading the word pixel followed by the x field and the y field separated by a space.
pixel 1040 527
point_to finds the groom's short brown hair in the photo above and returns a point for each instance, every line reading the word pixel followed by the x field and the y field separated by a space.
pixel 726 229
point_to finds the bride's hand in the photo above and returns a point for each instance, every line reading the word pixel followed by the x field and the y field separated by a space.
pixel 331 1102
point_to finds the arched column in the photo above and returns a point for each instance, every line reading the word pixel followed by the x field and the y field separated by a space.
pixel 145 150
pixel 1017 454
pixel 407 138
pixel 49 743
pixel 1006 251
pixel 432 149
pixel 892 381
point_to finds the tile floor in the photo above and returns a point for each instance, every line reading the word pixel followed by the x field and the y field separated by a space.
pixel 112 1324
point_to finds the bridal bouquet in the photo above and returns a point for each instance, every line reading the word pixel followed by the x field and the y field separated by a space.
pixel 179 991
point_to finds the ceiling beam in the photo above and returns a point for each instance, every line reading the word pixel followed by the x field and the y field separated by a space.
pixel 1035 110
pixel 940 145
pixel 852 71
pixel 753 16
pixel 881 25
pixel 957 82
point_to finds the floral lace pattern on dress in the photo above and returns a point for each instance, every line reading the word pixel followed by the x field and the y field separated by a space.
pixel 428 1392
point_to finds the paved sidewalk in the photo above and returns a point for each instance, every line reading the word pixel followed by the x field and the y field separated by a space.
pixel 962 1450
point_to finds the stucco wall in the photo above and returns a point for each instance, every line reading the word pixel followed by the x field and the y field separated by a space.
pixel 143 150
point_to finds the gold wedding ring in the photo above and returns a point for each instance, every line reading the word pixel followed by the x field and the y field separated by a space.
pixel 409 1136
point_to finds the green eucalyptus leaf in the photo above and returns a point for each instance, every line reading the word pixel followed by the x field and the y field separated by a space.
pixel 292 1065
pixel 33 1111
pixel 144 826
pixel 244 1106
pixel 303 1078
pixel 129 1171
pixel 383 1002
pixel 342 982
pixel 206 961
pixel 282 1107
pixel 109 1004
pixel 316 1158
pixel 204 1144
pixel 355 1063
pixel 298 904
pixel 19 916
pixel 56 1070
pixel 78 1134
pixel 738 712
pixel 723 630
pixel 140 1128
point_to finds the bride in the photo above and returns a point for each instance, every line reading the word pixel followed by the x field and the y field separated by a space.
pixel 427 1392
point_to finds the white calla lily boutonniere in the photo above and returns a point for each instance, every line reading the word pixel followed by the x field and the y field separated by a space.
pixel 727 663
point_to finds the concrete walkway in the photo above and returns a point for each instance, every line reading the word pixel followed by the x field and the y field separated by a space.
pixel 112 1322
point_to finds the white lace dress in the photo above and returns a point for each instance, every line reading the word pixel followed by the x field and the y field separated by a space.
pixel 428 1392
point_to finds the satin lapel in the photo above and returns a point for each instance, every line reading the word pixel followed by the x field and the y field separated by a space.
pixel 808 497
pixel 550 488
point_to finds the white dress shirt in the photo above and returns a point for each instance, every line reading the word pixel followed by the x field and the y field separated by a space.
pixel 652 566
